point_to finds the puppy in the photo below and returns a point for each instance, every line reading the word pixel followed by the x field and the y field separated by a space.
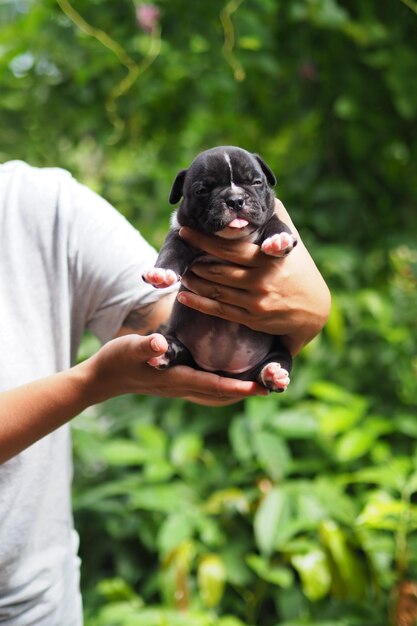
pixel 226 192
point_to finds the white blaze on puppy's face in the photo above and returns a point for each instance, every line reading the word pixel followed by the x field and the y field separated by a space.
pixel 229 163
pixel 237 228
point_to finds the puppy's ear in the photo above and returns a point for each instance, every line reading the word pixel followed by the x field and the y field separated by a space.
pixel 270 176
pixel 176 191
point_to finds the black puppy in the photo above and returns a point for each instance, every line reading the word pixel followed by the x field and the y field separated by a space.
pixel 226 192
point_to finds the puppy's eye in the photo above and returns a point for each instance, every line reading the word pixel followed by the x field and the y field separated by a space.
pixel 200 191
pixel 256 182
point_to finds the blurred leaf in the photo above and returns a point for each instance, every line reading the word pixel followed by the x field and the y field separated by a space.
pixel 259 411
pixel 211 578
pixel 227 500
pixel 117 613
pixel 186 448
pixel 392 475
pixel 411 484
pixel 406 424
pixel 333 497
pixel 250 43
pixel 272 519
pixel 176 528
pixel 334 394
pixel 174 574
pixel 238 573
pixel 376 304
pixel 340 410
pixel 167 498
pixel 314 572
pixel 354 444
pixel 93 497
pixel 321 13
pixel 295 423
pixel 346 107
pixel 153 439
pixel 382 512
pixel 334 420
pixel 272 453
pixel 402 67
pixel 229 621
pixel 158 470
pixel 275 574
pixel 240 439
pixel 348 575
pixel 117 590
pixel 123 452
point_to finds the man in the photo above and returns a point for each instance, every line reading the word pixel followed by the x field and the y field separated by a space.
pixel 70 262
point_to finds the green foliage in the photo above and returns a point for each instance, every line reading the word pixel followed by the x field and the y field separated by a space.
pixel 291 510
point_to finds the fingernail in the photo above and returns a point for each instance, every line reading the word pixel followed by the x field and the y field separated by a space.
pixel 181 297
pixel 155 345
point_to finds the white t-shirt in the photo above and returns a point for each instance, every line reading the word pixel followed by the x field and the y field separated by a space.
pixel 68 262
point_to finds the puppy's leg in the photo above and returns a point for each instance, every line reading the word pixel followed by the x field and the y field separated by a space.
pixel 276 238
pixel 160 278
pixel 279 244
pixel 270 374
pixel 173 259
pixel 274 377
pixel 274 370
pixel 177 354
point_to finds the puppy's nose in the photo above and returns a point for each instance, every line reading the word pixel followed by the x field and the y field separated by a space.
pixel 235 202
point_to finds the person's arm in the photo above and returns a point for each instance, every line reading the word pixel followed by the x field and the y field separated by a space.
pixel 30 412
pixel 148 318
pixel 287 297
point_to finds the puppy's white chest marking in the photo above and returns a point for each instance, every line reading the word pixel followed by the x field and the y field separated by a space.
pixel 174 220
pixel 233 186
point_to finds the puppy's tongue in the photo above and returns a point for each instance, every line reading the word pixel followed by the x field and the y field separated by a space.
pixel 238 223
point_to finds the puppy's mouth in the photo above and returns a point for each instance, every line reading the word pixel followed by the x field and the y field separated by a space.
pixel 238 223
pixel 237 228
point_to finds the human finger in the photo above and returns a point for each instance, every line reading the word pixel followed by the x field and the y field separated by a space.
pixel 210 385
pixel 145 347
pixel 216 308
pixel 153 345
pixel 216 291
pixel 212 401
pixel 235 276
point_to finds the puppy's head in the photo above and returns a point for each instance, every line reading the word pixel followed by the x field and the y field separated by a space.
pixel 226 191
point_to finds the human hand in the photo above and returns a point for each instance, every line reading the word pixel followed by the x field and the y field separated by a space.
pixel 33 410
pixel 121 366
pixel 285 297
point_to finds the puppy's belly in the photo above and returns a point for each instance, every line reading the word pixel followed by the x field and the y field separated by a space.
pixel 216 344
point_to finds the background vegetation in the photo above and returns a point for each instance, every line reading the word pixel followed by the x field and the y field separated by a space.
pixel 287 510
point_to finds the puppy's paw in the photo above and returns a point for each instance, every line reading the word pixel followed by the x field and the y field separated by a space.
pixel 274 377
pixel 160 278
pixel 279 245
pixel 159 362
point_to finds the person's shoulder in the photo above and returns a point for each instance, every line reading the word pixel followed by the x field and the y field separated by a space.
pixel 32 172
pixel 36 191
pixel 34 181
